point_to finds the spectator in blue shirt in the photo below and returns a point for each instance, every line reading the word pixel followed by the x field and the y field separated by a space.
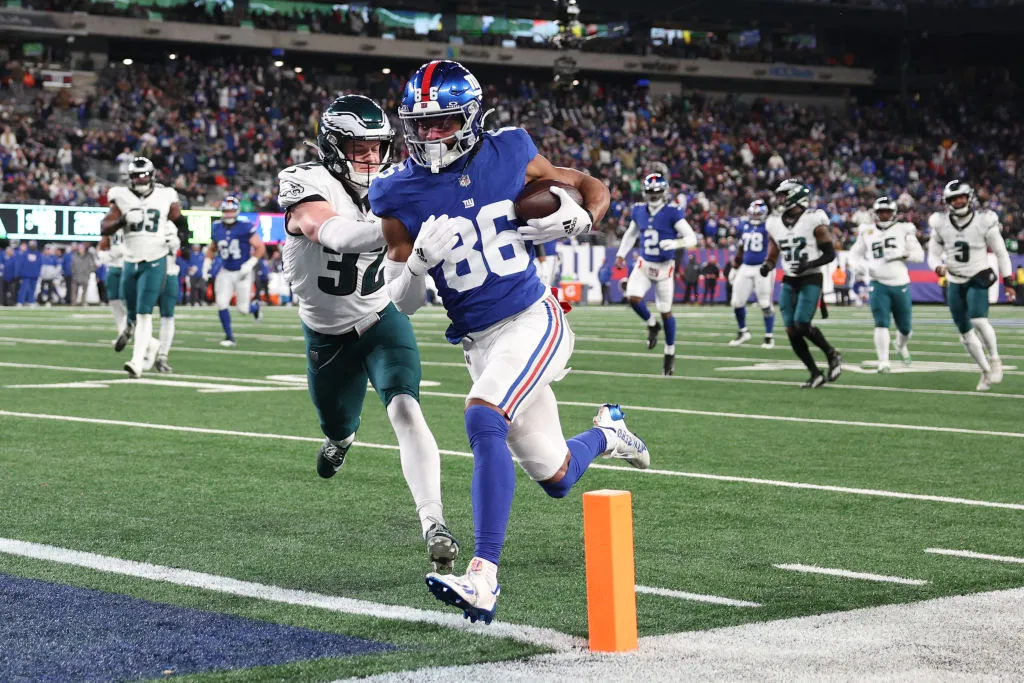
pixel 30 264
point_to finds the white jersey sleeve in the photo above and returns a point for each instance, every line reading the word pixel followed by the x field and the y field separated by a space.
pixel 301 183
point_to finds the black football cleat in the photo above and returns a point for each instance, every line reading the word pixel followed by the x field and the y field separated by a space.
pixel 835 365
pixel 330 458
pixel 123 338
pixel 162 365
pixel 441 547
pixel 652 335
pixel 668 366
pixel 815 382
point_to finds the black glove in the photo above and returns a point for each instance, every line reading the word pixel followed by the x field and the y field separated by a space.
pixel 766 269
pixel 800 267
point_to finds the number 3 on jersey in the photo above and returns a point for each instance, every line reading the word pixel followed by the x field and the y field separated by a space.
pixel 502 252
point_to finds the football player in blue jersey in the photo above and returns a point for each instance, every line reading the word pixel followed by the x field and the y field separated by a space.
pixel 663 229
pixel 746 276
pixel 238 243
pixel 449 212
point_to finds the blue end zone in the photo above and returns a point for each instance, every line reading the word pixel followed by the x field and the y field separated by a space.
pixel 55 632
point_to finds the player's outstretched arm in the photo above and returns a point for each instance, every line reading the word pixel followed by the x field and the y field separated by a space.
pixel 596 197
pixel 112 222
pixel 321 224
pixel 687 237
pixel 175 216
pixel 628 240
pixel 915 254
pixel 935 254
pixel 406 290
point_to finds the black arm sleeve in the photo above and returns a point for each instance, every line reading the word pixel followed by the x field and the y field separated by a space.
pixel 828 255
pixel 181 223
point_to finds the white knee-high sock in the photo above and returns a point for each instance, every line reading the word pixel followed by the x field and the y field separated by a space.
pixel 166 336
pixel 421 462
pixel 972 343
pixel 143 335
pixel 882 339
pixel 120 314
pixel 902 340
pixel 988 336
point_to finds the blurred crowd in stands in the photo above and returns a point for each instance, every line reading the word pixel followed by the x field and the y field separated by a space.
pixel 213 128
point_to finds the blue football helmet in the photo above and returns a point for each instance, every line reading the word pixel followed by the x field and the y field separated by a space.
pixel 758 211
pixel 229 208
pixel 441 113
pixel 654 189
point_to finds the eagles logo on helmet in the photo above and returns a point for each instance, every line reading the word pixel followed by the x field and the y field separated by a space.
pixel 953 190
pixel 882 206
pixel 354 118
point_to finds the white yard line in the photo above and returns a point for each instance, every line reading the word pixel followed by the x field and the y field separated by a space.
pixel 974 556
pixel 695 597
pixel 650 472
pixel 222 584
pixel 847 574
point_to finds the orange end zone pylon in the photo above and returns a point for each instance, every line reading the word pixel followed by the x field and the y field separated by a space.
pixel 611 587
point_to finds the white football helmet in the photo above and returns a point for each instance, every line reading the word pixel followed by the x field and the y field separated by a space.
pixel 954 189
pixel 884 204
pixel 141 176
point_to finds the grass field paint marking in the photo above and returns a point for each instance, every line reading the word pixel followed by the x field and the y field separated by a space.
pixel 970 554
pixel 222 584
pixel 651 472
pixel 845 573
pixel 695 597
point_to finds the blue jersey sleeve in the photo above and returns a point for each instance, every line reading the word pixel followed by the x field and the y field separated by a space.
pixel 518 142
pixel 393 194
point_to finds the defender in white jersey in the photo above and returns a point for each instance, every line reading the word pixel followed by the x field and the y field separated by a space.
pixel 960 241
pixel 883 249
pixel 333 257
pixel 802 237
pixel 150 218
pixel 111 252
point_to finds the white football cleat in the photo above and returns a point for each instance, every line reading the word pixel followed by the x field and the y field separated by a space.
pixel 227 343
pixel 769 342
pixel 134 371
pixel 741 338
pixel 985 383
pixel 995 375
pixel 472 592
pixel 904 355
pixel 884 368
pixel 150 356
pixel 622 443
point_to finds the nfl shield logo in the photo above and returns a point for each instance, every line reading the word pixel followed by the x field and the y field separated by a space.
pixel 464 180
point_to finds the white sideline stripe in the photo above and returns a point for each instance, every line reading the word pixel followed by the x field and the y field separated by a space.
pixel 603 373
pixel 223 584
pixel 670 473
pixel 845 573
pixel 695 597
pixel 970 554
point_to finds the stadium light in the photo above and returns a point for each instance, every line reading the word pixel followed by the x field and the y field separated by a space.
pixel 172 56
pixel 279 64
pixel 385 71
pixel 298 69
pixel 127 61
pixel 575 83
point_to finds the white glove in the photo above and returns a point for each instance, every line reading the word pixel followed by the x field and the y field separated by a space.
pixel 668 244
pixel 436 238
pixel 249 264
pixel 135 217
pixel 569 220
pixel 207 265
pixel 732 275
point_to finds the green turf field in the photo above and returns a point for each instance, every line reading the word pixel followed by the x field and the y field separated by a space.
pixel 748 472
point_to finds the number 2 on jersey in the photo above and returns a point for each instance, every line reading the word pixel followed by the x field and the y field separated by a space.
pixel 347 278
pixel 793 249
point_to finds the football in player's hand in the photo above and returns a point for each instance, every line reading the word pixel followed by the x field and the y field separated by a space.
pixel 537 201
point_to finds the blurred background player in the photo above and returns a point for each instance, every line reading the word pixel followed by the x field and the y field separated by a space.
pixel 804 239
pixel 512 330
pixel 168 301
pixel 332 256
pixel 885 247
pixel 750 254
pixel 962 236
pixel 151 219
pixel 111 251
pixel 662 229
pixel 238 243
